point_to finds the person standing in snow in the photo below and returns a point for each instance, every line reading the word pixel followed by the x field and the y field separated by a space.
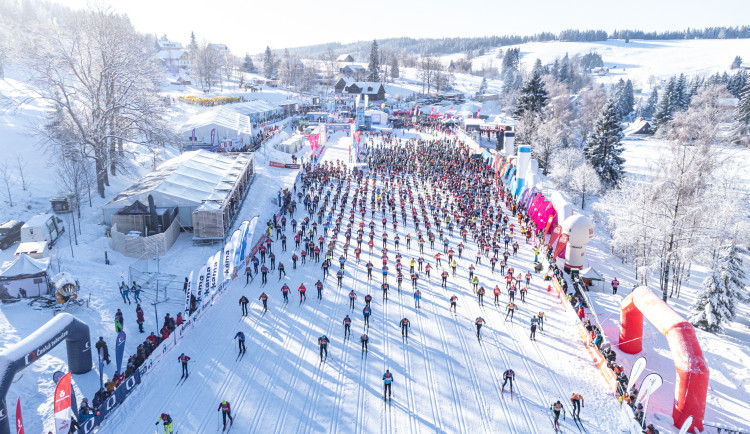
pixel 184 360
pixel 615 285
pixel 124 291
pixel 366 312
pixel 243 304
pixel 347 325
pixel 118 321
pixel 352 297
pixel 264 298
pixel 323 343
pixel 136 289
pixel 387 382
pixel 226 412
pixel 139 317
pixel 241 342
pixel 101 345
pixel 404 327
pixel 364 339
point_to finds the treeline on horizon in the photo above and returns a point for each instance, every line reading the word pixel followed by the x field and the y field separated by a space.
pixel 479 45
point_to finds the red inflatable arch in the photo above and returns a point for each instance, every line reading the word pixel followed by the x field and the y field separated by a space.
pixel 691 385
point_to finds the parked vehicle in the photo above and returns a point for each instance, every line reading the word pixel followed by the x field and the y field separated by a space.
pixel 10 233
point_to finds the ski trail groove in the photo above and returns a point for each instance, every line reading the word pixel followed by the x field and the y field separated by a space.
pixel 408 383
pixel 436 419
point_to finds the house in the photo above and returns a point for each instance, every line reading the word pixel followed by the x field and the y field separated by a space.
pixel 375 91
pixel 221 48
pixel 346 58
pixel 164 44
pixel 353 70
pixel 600 70
pixel 343 83
pixel 174 60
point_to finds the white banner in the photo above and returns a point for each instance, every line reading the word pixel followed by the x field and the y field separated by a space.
pixel 215 270
pixel 686 425
pixel 636 372
pixel 187 295
pixel 201 284
pixel 650 384
pixel 233 244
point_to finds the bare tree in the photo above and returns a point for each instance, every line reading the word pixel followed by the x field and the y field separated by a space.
pixel 428 68
pixel 21 164
pixel 585 181
pixel 208 64
pixel 6 175
pixel 103 82
pixel 329 63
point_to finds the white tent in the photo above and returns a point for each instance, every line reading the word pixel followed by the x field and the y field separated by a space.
pixel 224 123
pixel 24 275
pixel 591 275
pixel 186 182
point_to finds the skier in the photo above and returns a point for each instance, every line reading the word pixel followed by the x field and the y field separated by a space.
pixel 347 325
pixel 226 412
pixel 167 420
pixel 139 317
pixel 264 274
pixel 385 287
pixel 243 304
pixel 364 340
pixel 124 292
pixel 577 401
pixel 366 312
pixel 534 320
pixel 510 309
pixel 480 295
pixel 387 381
pixel 404 328
pixel 352 297
pixel 319 287
pixel 508 377
pixel 136 290
pixel 340 277
pixel 454 298
pixel 368 299
pixel 184 360
pixel 241 342
pixel 540 316
pixel 302 290
pixel 496 292
pixel 556 408
pixel 615 285
pixel 523 294
pixel 479 323
pixel 444 276
pixel 102 346
pixel 417 297
pixel 285 292
pixel 264 298
pixel 323 342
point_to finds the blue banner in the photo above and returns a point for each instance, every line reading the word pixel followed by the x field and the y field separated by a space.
pixel 119 350
pixel 89 423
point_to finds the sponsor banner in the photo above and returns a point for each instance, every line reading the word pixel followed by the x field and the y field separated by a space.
pixel 110 404
pixel 555 235
pixel 284 165
pixel 292 166
pixel 62 403
pixel 187 295
pixel 636 371
pixel 275 164
pixel 233 243
pixel 201 283
pixel 215 270
pixel 119 350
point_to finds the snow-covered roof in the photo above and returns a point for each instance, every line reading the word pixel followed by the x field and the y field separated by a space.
pixel 220 116
pixel 472 121
pixel 185 181
pixel 252 107
pixel 167 45
pixel 170 54
pixel 344 58
pixel 591 274
pixel 24 265
pixel 354 66
pixel 39 220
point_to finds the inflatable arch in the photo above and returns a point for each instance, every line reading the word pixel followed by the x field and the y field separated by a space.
pixel 691 386
pixel 15 358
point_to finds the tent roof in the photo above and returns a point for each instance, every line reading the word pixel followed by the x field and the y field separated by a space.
pixel 252 107
pixel 220 116
pixel 186 180
pixel 590 274
pixel 135 208
pixel 24 265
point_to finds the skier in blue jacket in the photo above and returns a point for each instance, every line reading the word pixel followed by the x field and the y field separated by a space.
pixel 387 381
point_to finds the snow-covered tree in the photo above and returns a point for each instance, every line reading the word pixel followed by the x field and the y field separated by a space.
pixel 566 161
pixel 722 290
pixel 207 64
pixel 248 65
pixel 269 64
pixel 394 67
pixel 373 67
pixel 590 105
pixel 650 108
pixel 603 147
pixel 666 106
pixel 736 63
pixel 533 97
pixel 482 87
pixel 741 130
pixel 585 181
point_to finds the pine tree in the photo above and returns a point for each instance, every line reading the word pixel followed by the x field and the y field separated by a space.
pixel 483 86
pixel 741 129
pixel 603 147
pixel 538 68
pixel 736 63
pixel 193 42
pixel 373 68
pixel 533 97
pixel 627 100
pixel 650 109
pixel 666 106
pixel 269 64
pixel 247 64
pixel 721 290
pixel 394 67
pixel 681 99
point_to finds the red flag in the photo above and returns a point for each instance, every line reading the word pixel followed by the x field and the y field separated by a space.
pixel 451 107
pixel 549 223
pixel 62 408
pixel 478 110
pixel 19 420
pixel 561 245
pixel 555 235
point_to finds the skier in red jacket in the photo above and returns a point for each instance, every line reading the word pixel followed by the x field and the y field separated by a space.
pixel 226 412
pixel 184 359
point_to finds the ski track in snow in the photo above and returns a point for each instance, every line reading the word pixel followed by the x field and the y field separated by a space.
pixel 409 383
pixel 434 407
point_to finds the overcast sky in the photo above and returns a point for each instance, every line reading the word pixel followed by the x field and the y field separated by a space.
pixel 250 25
